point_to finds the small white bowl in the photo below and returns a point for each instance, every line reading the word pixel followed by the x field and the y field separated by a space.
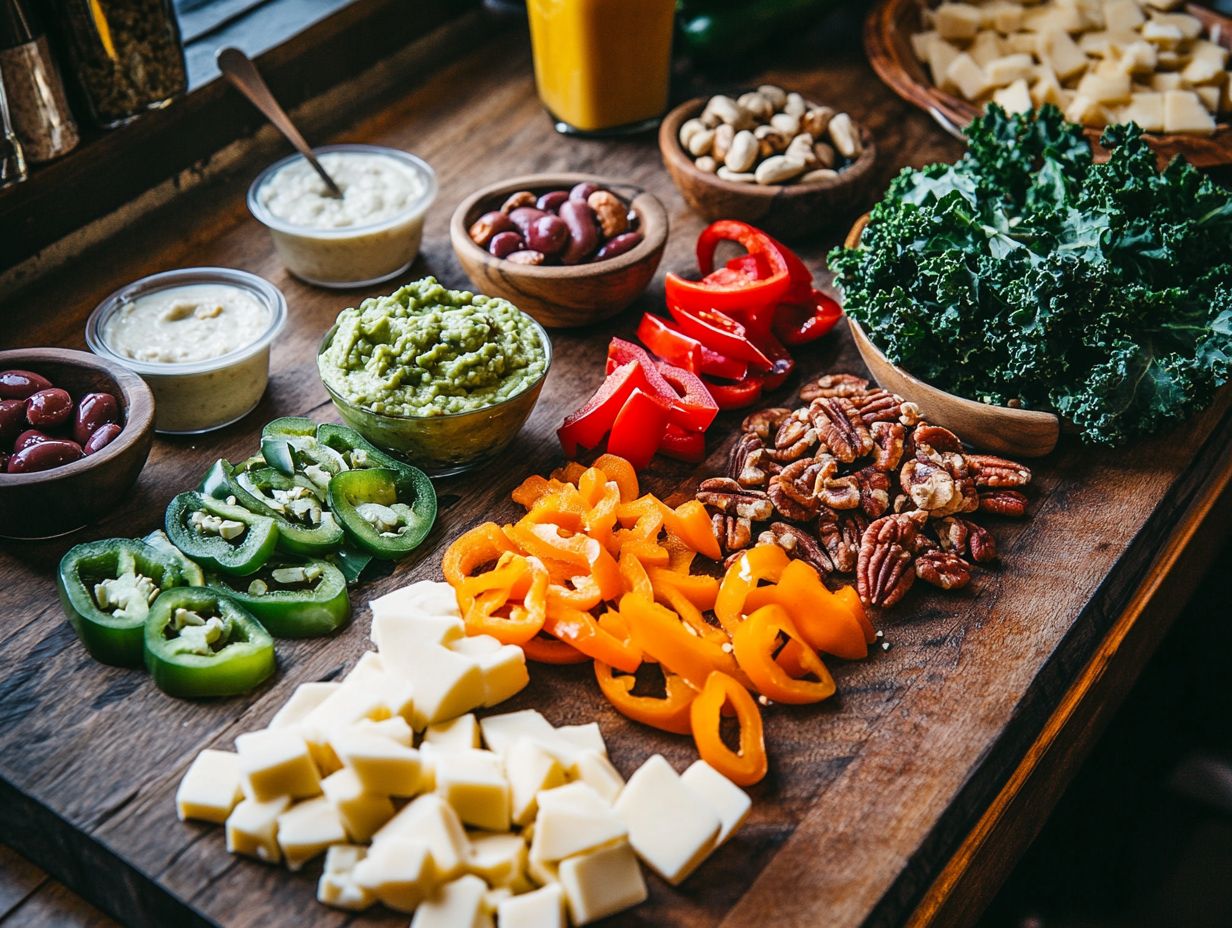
pixel 350 256
pixel 198 396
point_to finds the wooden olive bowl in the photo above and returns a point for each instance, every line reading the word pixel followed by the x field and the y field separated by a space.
pixel 1025 433
pixel 562 296
pixel 789 211
pixel 887 42
pixel 57 501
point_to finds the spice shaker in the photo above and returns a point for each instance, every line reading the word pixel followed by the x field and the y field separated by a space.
pixel 37 106
pixel 126 55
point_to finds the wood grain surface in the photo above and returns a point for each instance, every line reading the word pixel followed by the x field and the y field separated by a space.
pixel 869 794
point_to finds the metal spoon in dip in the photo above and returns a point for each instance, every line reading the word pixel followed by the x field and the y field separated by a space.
pixel 243 74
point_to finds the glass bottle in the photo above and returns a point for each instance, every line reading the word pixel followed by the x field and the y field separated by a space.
pixel 38 109
pixel 126 55
pixel 12 160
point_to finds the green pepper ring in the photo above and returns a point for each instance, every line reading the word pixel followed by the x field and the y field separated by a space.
pixel 385 486
pixel 296 613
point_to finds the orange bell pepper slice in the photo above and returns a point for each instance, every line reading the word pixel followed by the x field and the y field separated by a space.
pixel 583 594
pixel 570 473
pixel 621 473
pixel 601 497
pixel 530 490
pixel 764 562
pixel 581 553
pixel 701 590
pixel 580 630
pixel 676 600
pixel 690 522
pixel 483 544
pixel 524 578
pixel 633 572
pixel 823 620
pixel 651 554
pixel 755 643
pixel 548 650
pixel 848 596
pixel 660 633
pixel 746 766
pixel 669 712
pixel 680 555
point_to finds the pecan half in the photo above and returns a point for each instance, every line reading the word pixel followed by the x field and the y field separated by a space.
pixel 883 568
pixel 764 422
pixel 733 532
pixel 888 441
pixel 874 491
pixel 746 463
pixel 879 406
pixel 793 428
pixel 840 428
pixel 833 385
pixel 730 498
pixel 931 485
pixel 944 569
pixel 997 473
pixel 964 537
pixel 799 544
pixel 787 505
pixel 802 480
pixel 909 415
pixel 840 534
pixel 1004 503
pixel 841 493
pixel 937 438
pixel 785 454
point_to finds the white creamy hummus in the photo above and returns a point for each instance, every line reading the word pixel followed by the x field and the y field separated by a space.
pixel 374 188
pixel 181 325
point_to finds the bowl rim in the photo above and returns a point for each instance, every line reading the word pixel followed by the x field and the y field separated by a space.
pixel 138 397
pixel 677 159
pixel 417 207
pixel 270 296
pixel 640 200
pixel 544 338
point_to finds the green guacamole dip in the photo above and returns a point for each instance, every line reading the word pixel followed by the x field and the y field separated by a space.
pixel 425 350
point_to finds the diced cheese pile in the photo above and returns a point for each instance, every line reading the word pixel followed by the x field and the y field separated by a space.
pixel 1099 61
pixel 504 816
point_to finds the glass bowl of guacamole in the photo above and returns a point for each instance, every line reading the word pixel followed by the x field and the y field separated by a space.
pixel 444 377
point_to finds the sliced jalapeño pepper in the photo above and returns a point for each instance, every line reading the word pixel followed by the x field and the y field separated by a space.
pixel 385 512
pixel 290 445
pixel 351 561
pixel 214 483
pixel 199 642
pixel 190 571
pixel 106 588
pixel 292 597
pixel 220 535
pixel 357 451
pixel 297 506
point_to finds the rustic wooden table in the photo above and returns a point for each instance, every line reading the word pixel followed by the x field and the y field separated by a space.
pixel 904 799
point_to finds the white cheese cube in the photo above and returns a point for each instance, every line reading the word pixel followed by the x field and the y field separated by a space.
pixel 671 828
pixel 501 731
pixel 602 883
pixel 1147 110
pixel 275 762
pixel 337 886
pixel 729 802
pixel 1211 96
pixel 307 696
pixel 1167 80
pixel 428 818
pixel 530 769
pixel 424 598
pixel 503 668
pixel 1015 98
pixel 455 905
pixel 1053 17
pixel 543 908
pixel 499 858
pixel 475 787
pixel 446 684
pixel 1190 27
pixel 1184 112
pixel 1021 43
pixel 968 77
pixel 307 829
pixel 1165 35
pixel 588 737
pixel 1005 70
pixel 394 728
pixel 462 732
pixel 382 766
pixel 941 55
pixel 920 42
pixel 1060 53
pixel 369 671
pixel 1206 62
pixel 210 788
pixel 362 813
pixel 1104 88
pixel 1085 111
pixel 397 871
pixel 1122 15
pixel 1004 17
pixel 1047 89
pixel 596 771
pixel 1139 58
pixel 956 20
pixel 252 828
pixel 986 47
pixel 573 819
pixel 350 704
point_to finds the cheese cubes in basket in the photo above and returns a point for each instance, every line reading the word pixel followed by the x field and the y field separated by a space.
pixel 419 805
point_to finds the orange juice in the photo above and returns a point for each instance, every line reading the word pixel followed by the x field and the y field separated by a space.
pixel 602 64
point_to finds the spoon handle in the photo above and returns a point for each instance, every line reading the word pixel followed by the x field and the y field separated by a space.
pixel 243 74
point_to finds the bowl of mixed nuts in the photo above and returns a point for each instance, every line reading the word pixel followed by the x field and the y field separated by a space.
pixel 768 157
pixel 569 249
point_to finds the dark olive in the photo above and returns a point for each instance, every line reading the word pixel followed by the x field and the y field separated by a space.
pixel 44 456
pixel 619 245
pixel 551 202
pixel 584 236
pixel 31 437
pixel 524 217
pixel 104 435
pixel 48 408
pixel 583 191
pixel 94 410
pixel 18 384
pixel 504 244
pixel 547 234
pixel 12 418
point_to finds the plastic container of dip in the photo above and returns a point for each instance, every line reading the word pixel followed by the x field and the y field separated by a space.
pixel 356 255
pixel 202 394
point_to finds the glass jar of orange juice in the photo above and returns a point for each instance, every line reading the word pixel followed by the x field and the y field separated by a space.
pixel 602 66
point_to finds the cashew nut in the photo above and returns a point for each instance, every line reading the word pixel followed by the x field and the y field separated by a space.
pixel 757 105
pixel 706 163
pixel 795 105
pixel 816 121
pixel 743 152
pixel 688 129
pixel 786 123
pixel 801 149
pixel 777 169
pixel 775 94
pixel 723 136
pixel 736 176
pixel 819 174
pixel 845 136
pixel 701 143
pixel 825 155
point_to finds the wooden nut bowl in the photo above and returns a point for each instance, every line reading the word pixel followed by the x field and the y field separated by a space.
pixel 560 297
pixel 887 42
pixel 57 501
pixel 1025 433
pixel 786 210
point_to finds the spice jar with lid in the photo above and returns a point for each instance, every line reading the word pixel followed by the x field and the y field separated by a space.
pixel 126 55
pixel 37 106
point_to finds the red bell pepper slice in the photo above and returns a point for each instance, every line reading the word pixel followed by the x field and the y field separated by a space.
pixel 638 428
pixel 782 363
pixel 757 244
pixel 736 395
pixel 669 343
pixel 683 445
pixel 729 291
pixel 694 408
pixel 720 332
pixel 798 324
pixel 587 425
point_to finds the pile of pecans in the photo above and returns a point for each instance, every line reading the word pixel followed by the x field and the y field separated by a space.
pixel 855 482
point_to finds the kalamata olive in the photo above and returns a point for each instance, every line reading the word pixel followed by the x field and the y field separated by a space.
pixel 526 257
pixel 104 435
pixel 488 225
pixel 583 191
pixel 619 245
pixel 44 456
pixel 583 231
pixel 31 437
pixel 49 408
pixel 504 244
pixel 17 384
pixel 548 234
pixel 524 216
pixel 550 202
pixel 94 410
pixel 632 220
pixel 12 418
